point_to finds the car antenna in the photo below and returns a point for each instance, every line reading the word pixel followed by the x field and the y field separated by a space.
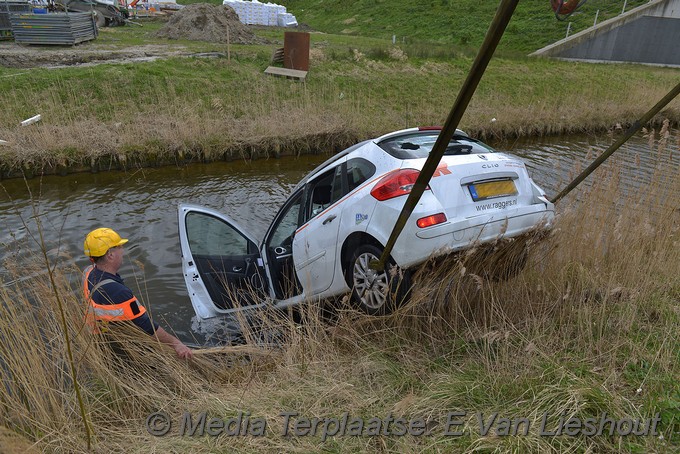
pixel 635 127
pixel 493 36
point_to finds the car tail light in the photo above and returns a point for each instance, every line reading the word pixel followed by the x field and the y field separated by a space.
pixel 429 221
pixel 395 184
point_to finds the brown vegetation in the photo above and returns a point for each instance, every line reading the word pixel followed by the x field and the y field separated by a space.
pixel 180 110
pixel 589 326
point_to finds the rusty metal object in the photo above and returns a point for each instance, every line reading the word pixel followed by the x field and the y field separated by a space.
pixel 296 50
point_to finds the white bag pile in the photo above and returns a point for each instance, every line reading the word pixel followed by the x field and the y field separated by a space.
pixel 256 13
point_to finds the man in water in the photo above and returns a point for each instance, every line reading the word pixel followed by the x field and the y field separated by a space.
pixel 109 299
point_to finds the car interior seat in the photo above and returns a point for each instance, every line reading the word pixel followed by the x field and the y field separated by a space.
pixel 321 198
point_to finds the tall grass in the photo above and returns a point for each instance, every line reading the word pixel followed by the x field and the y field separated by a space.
pixel 181 110
pixel 589 326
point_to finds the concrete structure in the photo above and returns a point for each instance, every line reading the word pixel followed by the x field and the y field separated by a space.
pixel 647 34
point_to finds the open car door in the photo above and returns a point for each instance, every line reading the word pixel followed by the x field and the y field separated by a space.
pixel 221 262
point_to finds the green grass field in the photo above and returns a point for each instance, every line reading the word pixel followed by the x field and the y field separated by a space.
pixel 360 85
pixel 459 23
pixel 358 88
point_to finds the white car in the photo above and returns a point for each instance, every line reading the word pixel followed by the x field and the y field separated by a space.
pixel 339 217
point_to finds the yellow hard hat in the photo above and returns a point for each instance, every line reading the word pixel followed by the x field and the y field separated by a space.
pixel 98 241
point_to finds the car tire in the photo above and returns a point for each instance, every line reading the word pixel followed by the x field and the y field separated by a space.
pixel 374 292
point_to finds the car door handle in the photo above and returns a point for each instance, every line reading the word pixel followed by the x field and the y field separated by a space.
pixel 329 219
pixel 237 269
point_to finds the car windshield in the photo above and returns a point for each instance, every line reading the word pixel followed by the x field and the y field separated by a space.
pixel 418 145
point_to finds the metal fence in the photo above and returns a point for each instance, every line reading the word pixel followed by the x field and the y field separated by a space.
pixel 54 28
pixel 7 8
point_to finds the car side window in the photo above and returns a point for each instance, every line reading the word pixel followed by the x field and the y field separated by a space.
pixel 325 191
pixel 359 170
pixel 287 224
pixel 210 236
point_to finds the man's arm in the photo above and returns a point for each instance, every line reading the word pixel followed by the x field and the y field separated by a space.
pixel 182 350
pixel 144 322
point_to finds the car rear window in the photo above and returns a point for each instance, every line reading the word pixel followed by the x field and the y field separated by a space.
pixel 419 145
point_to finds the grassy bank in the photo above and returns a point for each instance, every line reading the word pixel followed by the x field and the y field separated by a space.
pixel 589 327
pixel 461 23
pixel 112 116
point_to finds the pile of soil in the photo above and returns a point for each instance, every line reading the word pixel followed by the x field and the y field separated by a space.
pixel 205 22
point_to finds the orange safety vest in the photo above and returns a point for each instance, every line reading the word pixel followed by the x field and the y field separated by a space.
pixel 107 312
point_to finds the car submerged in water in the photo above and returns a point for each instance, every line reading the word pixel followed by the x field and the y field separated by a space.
pixel 340 216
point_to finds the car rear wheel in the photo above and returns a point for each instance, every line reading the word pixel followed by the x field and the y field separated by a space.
pixel 375 292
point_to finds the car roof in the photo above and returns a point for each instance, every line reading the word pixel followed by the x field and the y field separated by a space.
pixel 343 153
pixel 422 130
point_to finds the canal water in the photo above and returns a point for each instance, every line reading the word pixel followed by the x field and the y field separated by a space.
pixel 142 206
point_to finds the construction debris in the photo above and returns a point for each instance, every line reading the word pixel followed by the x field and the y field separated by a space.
pixel 256 13
pixel 58 29
pixel 31 120
pixel 7 8
pixel 285 72
pixel 205 22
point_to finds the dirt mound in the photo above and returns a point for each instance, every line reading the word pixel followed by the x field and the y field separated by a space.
pixel 205 22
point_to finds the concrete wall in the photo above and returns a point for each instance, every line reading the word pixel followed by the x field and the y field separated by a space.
pixel 647 34
pixel 669 8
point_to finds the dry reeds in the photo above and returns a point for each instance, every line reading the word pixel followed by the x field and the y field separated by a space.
pixel 589 326
pixel 170 115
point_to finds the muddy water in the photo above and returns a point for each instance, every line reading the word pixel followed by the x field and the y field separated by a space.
pixel 142 206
